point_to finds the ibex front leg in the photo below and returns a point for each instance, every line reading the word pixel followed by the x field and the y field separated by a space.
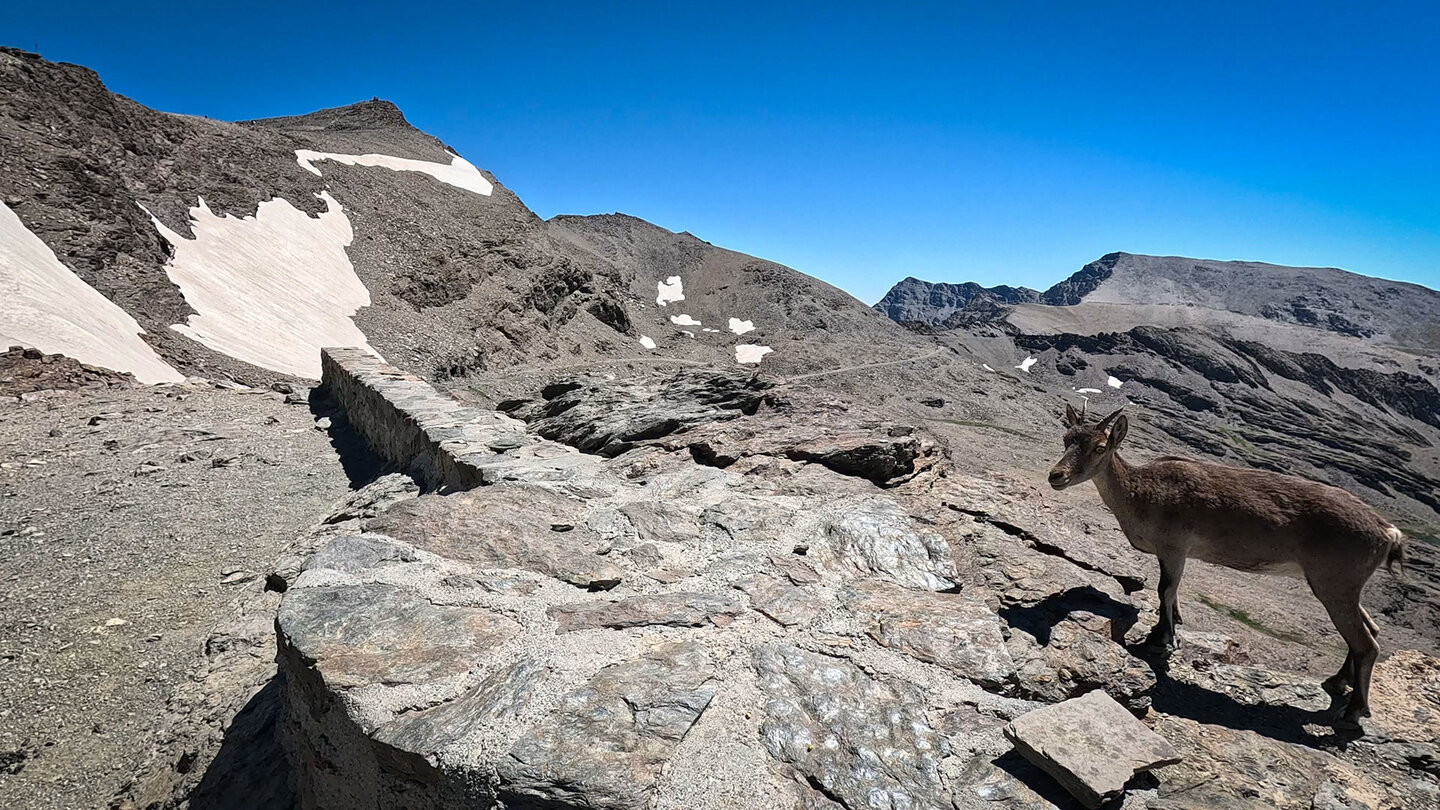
pixel 1172 568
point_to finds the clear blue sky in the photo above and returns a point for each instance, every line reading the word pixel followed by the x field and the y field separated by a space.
pixel 998 142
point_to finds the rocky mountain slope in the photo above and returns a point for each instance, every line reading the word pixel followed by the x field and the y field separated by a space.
pixel 195 228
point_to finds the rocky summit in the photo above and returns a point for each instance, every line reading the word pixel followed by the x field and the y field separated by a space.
pixel 332 476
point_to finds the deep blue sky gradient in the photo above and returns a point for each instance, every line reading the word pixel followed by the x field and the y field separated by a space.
pixel 998 142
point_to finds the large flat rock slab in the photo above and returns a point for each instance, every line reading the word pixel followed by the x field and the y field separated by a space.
pixel 511 525
pixel 376 633
pixel 1092 746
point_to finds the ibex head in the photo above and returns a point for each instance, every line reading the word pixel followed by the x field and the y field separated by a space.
pixel 1087 447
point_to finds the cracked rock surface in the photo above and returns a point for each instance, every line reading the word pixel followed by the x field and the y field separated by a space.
pixel 649 630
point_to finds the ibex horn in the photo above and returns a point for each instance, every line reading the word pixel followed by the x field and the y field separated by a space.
pixel 1105 423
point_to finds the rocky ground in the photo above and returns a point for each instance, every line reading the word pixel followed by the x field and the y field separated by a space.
pixel 652 623
pixel 129 521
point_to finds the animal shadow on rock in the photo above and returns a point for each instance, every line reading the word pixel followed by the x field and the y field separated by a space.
pixel 1278 721
pixel 1040 618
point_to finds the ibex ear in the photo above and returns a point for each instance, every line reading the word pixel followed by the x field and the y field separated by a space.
pixel 1118 431
pixel 1071 417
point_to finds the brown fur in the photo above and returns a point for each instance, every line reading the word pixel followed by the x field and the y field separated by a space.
pixel 1250 520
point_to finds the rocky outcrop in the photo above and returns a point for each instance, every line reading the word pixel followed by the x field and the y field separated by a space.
pixel 24 371
pixel 646 631
pixel 712 413
pixel 913 301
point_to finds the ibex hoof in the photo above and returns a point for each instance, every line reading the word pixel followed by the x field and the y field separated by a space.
pixel 1349 724
pixel 1160 643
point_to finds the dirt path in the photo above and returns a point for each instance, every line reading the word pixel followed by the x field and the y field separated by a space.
pixel 814 374
pixel 127 521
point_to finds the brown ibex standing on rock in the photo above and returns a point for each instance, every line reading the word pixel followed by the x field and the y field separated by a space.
pixel 1249 520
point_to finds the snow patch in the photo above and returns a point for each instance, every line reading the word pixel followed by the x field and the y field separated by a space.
pixel 750 352
pixel 270 289
pixel 1114 383
pixel 986 366
pixel 687 333
pixel 647 341
pixel 683 320
pixel 1026 364
pixel 1087 390
pixel 708 329
pixel 740 327
pixel 669 291
pixel 460 173
pixel 44 305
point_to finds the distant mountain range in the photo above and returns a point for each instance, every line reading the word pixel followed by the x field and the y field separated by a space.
pixel 1391 312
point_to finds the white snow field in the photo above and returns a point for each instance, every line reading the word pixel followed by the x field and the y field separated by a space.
pixel 1113 383
pixel 45 306
pixel 460 173
pixel 740 327
pixel 683 320
pixel 270 289
pixel 669 291
pixel 750 352
pixel 1026 364
pixel 647 341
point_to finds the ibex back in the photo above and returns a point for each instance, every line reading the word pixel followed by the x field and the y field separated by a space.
pixel 1250 520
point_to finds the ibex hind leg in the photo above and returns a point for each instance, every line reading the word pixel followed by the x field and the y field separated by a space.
pixel 1343 605
pixel 1337 683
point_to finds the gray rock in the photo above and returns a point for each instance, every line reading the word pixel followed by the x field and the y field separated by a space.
pixel 673 609
pixel 956 631
pixel 861 741
pixel 781 601
pixel 1077 657
pixel 358 552
pixel 1090 744
pixel 506 525
pixel 875 536
pixel 366 634
pixel 498 698
pixel 606 744
pixel 796 569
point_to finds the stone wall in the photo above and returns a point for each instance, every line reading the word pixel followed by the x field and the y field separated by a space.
pixel 411 425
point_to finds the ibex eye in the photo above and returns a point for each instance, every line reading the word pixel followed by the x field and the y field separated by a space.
pixel 1099 448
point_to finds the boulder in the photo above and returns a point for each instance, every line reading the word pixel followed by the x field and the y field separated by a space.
pixel 1092 746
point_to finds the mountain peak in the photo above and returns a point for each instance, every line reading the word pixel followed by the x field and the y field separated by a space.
pixel 374 114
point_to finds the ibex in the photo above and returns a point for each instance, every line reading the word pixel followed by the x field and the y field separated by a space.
pixel 1249 520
